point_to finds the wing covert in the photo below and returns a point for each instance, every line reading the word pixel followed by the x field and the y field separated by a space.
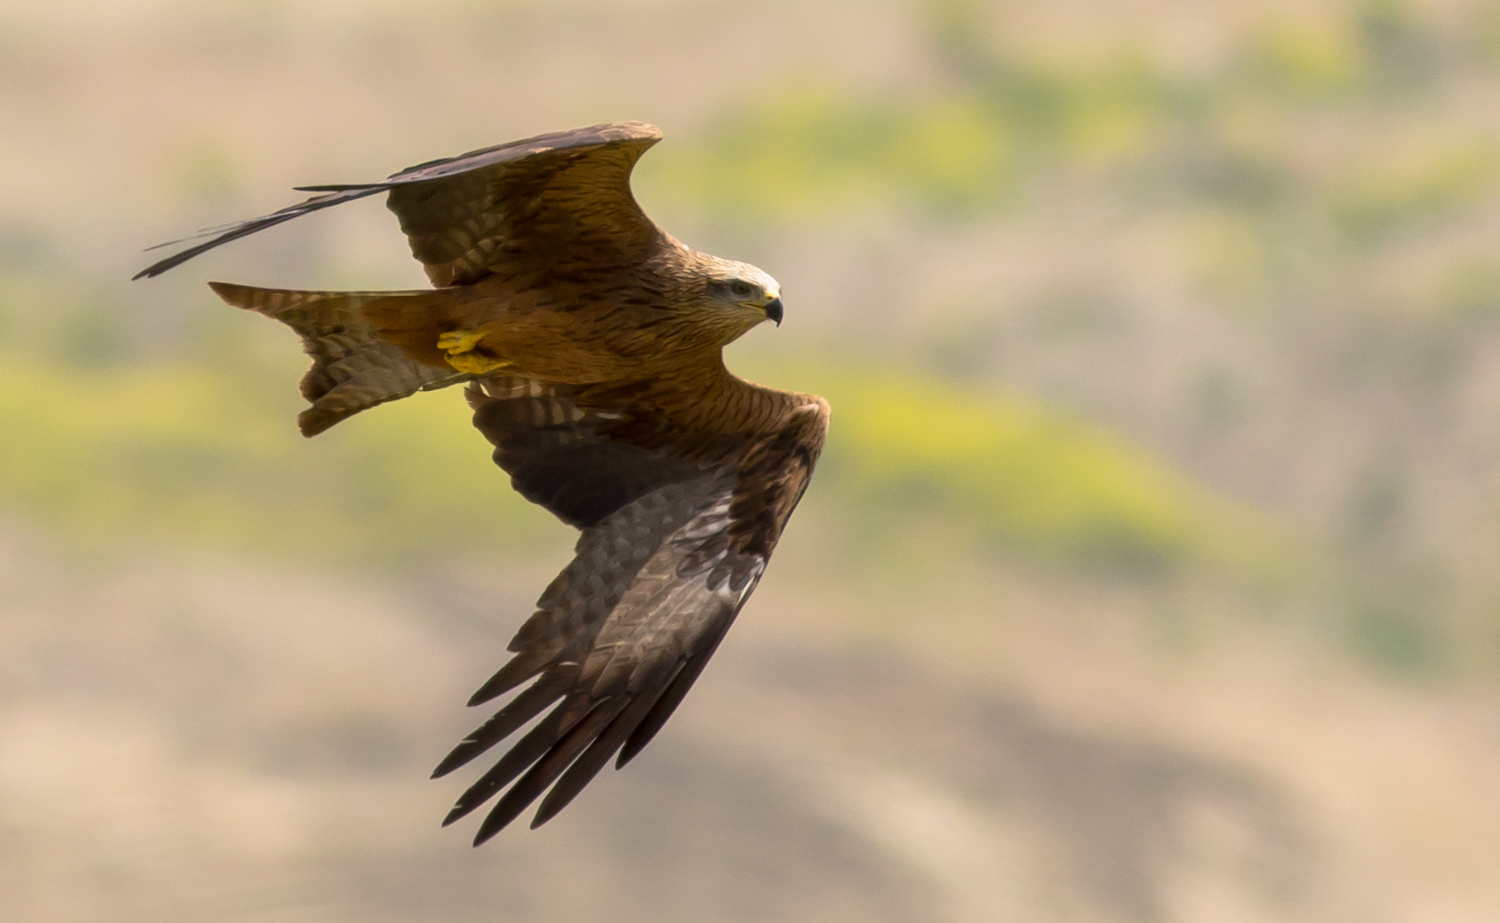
pixel 519 203
pixel 570 460
pixel 622 634
pixel 520 207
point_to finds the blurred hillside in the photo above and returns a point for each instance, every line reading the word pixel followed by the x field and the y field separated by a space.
pixel 1264 248
pixel 1149 575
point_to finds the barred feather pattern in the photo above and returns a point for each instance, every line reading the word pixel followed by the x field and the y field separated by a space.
pixel 610 637
pixel 353 368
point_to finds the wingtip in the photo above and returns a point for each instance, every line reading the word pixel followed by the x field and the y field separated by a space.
pixel 638 130
pixel 450 762
pixel 516 671
pixel 482 696
pixel 161 265
pixel 626 755
pixel 175 260
pixel 543 815
pixel 497 820
pixel 467 804
pixel 558 798
pixel 313 421
pixel 456 813
pixel 336 187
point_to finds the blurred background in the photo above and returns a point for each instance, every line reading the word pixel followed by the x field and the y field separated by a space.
pixel 1150 573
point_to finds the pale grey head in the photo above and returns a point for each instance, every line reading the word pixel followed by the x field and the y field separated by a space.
pixel 737 295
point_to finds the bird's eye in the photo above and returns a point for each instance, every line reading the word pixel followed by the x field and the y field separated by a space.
pixel 741 289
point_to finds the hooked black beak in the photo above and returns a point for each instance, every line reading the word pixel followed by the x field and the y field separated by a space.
pixel 774 310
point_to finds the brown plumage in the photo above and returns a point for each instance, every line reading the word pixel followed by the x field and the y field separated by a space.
pixel 591 341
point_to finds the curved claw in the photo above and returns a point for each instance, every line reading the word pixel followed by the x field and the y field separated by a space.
pixel 458 345
pixel 453 342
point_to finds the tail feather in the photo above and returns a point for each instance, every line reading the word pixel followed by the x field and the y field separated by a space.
pixel 353 367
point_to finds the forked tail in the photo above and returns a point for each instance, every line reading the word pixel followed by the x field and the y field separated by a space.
pixel 353 368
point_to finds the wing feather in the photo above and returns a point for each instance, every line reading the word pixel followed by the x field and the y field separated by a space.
pixel 227 233
pixel 662 622
pixel 514 203
pixel 546 770
pixel 569 460
pixel 674 540
pixel 516 713
pixel 667 703
pixel 593 759
pixel 527 750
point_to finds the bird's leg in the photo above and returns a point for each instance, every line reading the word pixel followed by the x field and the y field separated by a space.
pixel 459 346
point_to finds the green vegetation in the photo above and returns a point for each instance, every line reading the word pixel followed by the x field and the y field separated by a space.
pixel 1405 193
pixel 1034 480
pixel 1325 180
pixel 1322 181
pixel 811 152
pixel 1394 639
pixel 1012 126
pixel 189 454
pixel 196 454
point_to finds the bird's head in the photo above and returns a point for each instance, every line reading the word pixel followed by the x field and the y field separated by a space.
pixel 736 296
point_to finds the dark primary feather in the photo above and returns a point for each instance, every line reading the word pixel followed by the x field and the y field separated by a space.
pixel 464 213
pixel 677 529
pixel 618 637
pixel 546 770
pixel 517 712
pixel 587 765
pixel 246 228
pixel 667 703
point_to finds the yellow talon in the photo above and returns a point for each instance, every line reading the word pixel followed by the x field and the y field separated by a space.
pixel 472 364
pixel 459 345
pixel 459 341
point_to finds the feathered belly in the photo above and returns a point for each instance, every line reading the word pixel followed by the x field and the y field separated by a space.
pixel 528 334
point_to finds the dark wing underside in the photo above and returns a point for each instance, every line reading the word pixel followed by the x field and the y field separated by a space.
pixel 513 206
pixel 579 464
pixel 623 632
pixel 616 642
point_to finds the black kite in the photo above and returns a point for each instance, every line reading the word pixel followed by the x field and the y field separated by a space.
pixel 591 341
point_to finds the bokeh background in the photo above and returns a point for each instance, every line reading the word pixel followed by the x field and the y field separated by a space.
pixel 1152 572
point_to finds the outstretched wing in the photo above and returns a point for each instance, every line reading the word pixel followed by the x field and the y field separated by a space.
pixel 515 205
pixel 677 532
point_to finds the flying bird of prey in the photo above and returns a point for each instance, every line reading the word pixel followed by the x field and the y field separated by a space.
pixel 590 341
